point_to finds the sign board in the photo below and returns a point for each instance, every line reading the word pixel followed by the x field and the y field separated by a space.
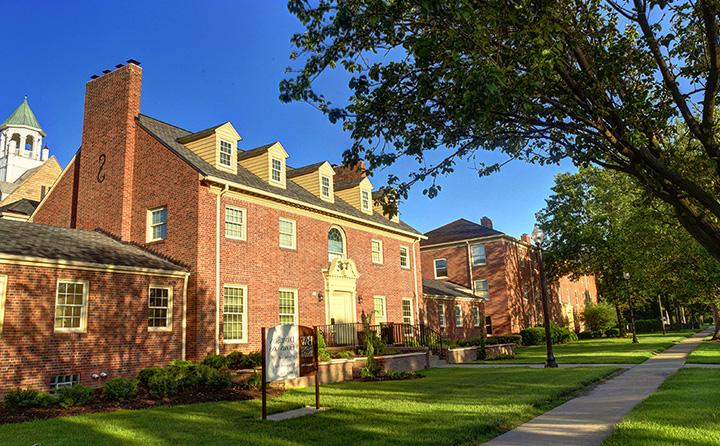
pixel 308 360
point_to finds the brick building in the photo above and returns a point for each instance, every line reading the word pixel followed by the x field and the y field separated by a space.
pixel 265 243
pixel 74 307
pixel 501 272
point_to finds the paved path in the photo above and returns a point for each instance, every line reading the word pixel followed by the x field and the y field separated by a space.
pixel 534 366
pixel 588 419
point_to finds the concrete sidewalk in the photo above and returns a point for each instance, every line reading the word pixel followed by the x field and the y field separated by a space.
pixel 533 366
pixel 588 419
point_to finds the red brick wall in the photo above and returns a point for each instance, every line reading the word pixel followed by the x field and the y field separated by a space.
pixel 451 330
pixel 117 340
pixel 577 293
pixel 55 208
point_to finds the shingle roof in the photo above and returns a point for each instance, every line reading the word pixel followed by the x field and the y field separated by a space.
pixel 297 171
pixel 23 115
pixel 347 184
pixel 457 230
pixel 7 188
pixel 49 242
pixel 242 154
pixel 27 174
pixel 23 206
pixel 169 134
pixel 443 288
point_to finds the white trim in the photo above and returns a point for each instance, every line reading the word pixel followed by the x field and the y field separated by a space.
pixel 477 323
pixel 372 252
pixel 384 309
pixel 435 268
pixel 442 315
pixel 10 259
pixel 329 197
pixel 294 291
pixel 83 309
pixel 402 309
pixel 344 240
pixel 3 295
pixel 220 154
pixel 184 318
pixel 369 208
pixel 243 227
pixel 218 205
pixel 473 245
pixel 456 314
pixel 149 225
pixel 245 314
pixel 282 180
pixel 293 223
pixel 407 256
pixel 169 319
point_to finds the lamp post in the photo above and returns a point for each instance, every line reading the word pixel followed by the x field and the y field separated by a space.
pixel 537 238
pixel 626 275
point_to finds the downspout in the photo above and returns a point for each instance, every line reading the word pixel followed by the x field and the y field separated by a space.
pixel 415 284
pixel 217 268
pixel 470 272
pixel 184 316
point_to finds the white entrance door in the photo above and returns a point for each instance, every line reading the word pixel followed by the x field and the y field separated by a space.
pixel 341 314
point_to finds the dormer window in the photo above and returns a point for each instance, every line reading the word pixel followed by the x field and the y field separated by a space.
pixel 276 170
pixel 225 153
pixel 365 201
pixel 325 186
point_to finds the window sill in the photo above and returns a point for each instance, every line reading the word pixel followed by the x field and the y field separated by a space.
pixel 237 239
pixel 235 341
pixel 155 242
pixel 160 329
pixel 70 330
pixel 407 268
pixel 285 248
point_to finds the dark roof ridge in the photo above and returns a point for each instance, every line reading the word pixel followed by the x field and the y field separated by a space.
pixel 141 247
pixel 162 122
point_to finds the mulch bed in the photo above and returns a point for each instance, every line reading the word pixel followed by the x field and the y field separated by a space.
pixel 142 401
pixel 386 378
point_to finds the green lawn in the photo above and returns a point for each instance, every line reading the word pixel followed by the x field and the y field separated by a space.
pixel 682 412
pixel 707 353
pixel 448 406
pixel 600 351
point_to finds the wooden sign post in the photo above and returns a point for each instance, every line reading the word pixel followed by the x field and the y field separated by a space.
pixel 288 351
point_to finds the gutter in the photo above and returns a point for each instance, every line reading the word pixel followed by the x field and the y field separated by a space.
pixel 217 267
pixel 415 284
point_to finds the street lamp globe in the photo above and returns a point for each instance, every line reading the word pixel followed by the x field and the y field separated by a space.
pixel 538 235
pixel 626 275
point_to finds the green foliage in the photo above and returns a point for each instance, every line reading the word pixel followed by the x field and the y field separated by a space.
pixel 599 317
pixel 255 381
pixel 27 398
pixel 533 336
pixel 536 335
pixel 216 361
pixel 120 389
pixel 162 384
pixel 647 325
pixel 507 339
pixel 323 353
pixel 75 395
pixel 612 332
pixel 562 335
pixel 586 335
pixel 145 374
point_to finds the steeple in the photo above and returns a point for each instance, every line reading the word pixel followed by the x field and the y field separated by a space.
pixel 23 116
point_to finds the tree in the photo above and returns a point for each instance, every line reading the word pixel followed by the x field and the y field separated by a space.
pixel 599 317
pixel 604 82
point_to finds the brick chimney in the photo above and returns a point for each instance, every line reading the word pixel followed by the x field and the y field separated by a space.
pixel 485 221
pixel 348 173
pixel 104 175
pixel 526 238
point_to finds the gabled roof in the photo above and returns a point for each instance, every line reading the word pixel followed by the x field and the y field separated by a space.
pixel 200 134
pixel 297 171
pixel 243 154
pixel 458 230
pixel 27 174
pixel 23 115
pixel 7 188
pixel 169 134
pixel 52 243
pixel 24 207
pixel 347 184
pixel 432 287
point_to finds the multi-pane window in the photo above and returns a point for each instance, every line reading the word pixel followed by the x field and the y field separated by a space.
pixel 488 325
pixel 276 170
pixel 234 222
pixel 287 233
pixel 458 316
pixel 407 311
pixel 365 200
pixel 404 257
pixel 478 254
pixel 288 306
pixel 157 224
pixel 336 244
pixel 59 381
pixel 482 289
pixel 325 186
pixel 159 308
pixel 441 268
pixel 476 315
pixel 379 310
pixel 377 251
pixel 441 314
pixel 234 313
pixel 71 306
pixel 225 153
pixel 3 293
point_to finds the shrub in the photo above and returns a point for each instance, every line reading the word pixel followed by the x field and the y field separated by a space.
pixel 533 336
pixel 216 361
pixel 162 384
pixel 218 379
pixel 120 389
pixel 145 374
pixel 599 317
pixel 323 353
pixel 240 360
pixel 612 332
pixel 254 359
pixel 647 325
pixel 255 381
pixel 344 354
pixel 586 335
pixel 27 398
pixel 562 335
pixel 75 395
pixel 508 339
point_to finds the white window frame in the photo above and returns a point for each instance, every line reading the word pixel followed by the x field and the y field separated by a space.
pixel 442 317
pixel 294 291
pixel 279 171
pixel 472 257
pixel 457 309
pixel 221 153
pixel 243 315
pixel 169 318
pixel 384 310
pixel 483 294
pixel 323 187
pixel 476 316
pixel 3 296
pixel 364 201
pixel 243 225
pixel 150 225
pixel 435 268
pixel 293 224
pixel 83 307
pixel 380 260
pixel 406 257
pixel 402 308
pixel 64 381
pixel 332 256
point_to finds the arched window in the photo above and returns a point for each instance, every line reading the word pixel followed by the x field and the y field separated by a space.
pixel 29 141
pixel 15 143
pixel 336 244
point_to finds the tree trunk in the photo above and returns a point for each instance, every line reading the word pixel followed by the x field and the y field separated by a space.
pixel 620 321
pixel 716 319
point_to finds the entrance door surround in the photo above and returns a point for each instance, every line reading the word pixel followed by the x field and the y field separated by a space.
pixel 340 289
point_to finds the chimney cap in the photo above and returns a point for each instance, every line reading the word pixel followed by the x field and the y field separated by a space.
pixel 94 76
pixel 106 71
pixel 133 61
pixel 119 65
pixel 485 221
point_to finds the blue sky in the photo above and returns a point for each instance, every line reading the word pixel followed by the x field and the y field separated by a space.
pixel 209 62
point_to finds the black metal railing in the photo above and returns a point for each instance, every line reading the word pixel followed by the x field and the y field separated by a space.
pixel 352 335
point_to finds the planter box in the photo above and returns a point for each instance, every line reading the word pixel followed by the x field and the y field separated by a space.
pixel 470 354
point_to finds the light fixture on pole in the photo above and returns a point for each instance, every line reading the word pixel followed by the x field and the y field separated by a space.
pixel 626 275
pixel 537 238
